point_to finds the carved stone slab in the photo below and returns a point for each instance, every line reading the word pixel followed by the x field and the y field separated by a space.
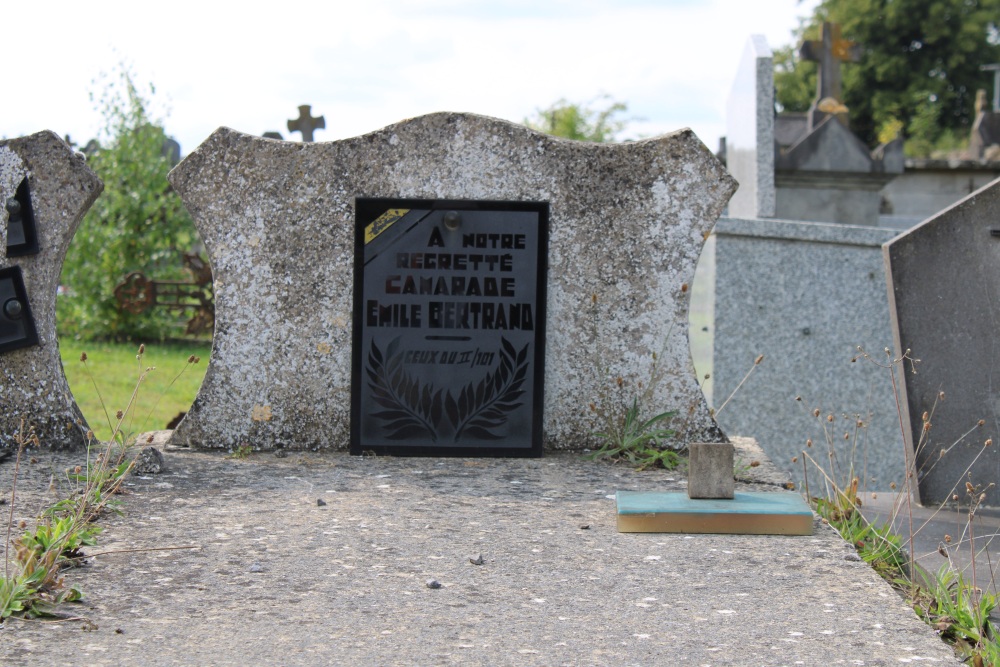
pixel 627 223
pixel 32 383
pixel 944 299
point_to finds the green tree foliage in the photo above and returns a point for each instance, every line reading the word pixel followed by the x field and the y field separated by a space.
pixel 581 121
pixel 919 69
pixel 137 224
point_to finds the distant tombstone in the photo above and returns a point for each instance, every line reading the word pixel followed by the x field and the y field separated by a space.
pixel 306 123
pixel 750 132
pixel 985 135
pixel 626 226
pixel 91 147
pixel 270 134
pixel 46 187
pixel 944 281
pixel 171 150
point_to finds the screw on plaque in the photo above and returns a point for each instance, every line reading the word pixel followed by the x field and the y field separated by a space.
pixel 452 220
pixel 17 328
pixel 21 237
pixel 13 309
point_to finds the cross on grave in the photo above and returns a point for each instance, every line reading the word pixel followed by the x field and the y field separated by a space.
pixel 306 123
pixel 829 52
pixel 137 293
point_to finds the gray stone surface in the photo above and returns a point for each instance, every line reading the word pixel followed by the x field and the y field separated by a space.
pixel 710 470
pixel 750 132
pixel 627 224
pixel 927 187
pixel 805 296
pixel 829 176
pixel 943 291
pixel 278 580
pixel 32 383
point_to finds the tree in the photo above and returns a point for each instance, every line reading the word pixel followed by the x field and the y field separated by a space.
pixel 580 121
pixel 137 224
pixel 919 70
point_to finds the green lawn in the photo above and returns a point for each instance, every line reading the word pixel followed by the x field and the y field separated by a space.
pixel 166 391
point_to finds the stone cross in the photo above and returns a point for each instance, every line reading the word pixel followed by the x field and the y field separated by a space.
pixel 829 52
pixel 306 123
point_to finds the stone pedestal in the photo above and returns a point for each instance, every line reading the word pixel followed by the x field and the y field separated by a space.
pixel 710 470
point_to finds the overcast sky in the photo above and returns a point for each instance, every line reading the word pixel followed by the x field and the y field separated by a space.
pixel 365 64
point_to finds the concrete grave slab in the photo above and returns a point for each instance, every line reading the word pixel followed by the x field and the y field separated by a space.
pixel 627 225
pixel 944 295
pixel 33 386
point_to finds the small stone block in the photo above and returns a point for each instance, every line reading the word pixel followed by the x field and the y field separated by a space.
pixel 710 470
pixel 753 513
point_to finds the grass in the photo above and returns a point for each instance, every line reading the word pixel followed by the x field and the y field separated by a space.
pixel 32 584
pixel 167 390
pixel 957 607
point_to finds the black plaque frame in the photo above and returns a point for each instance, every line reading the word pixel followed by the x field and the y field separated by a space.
pixel 18 331
pixel 387 370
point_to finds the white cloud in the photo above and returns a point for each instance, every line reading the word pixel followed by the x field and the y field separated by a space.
pixel 367 65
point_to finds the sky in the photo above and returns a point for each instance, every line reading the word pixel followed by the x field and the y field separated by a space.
pixel 365 64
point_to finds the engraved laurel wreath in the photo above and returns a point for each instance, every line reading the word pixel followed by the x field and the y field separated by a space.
pixel 413 409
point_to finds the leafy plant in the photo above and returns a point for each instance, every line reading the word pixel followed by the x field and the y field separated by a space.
pixel 137 224
pixel 637 440
pixel 241 451
pixel 960 611
pixel 582 122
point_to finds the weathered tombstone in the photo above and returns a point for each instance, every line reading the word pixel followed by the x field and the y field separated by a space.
pixel 306 124
pixel 46 189
pixel 626 225
pixel 944 277
pixel 750 132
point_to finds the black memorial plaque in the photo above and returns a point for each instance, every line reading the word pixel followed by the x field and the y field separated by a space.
pixel 17 327
pixel 449 327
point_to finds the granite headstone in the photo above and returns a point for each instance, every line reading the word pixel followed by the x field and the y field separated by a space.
pixel 805 295
pixel 750 132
